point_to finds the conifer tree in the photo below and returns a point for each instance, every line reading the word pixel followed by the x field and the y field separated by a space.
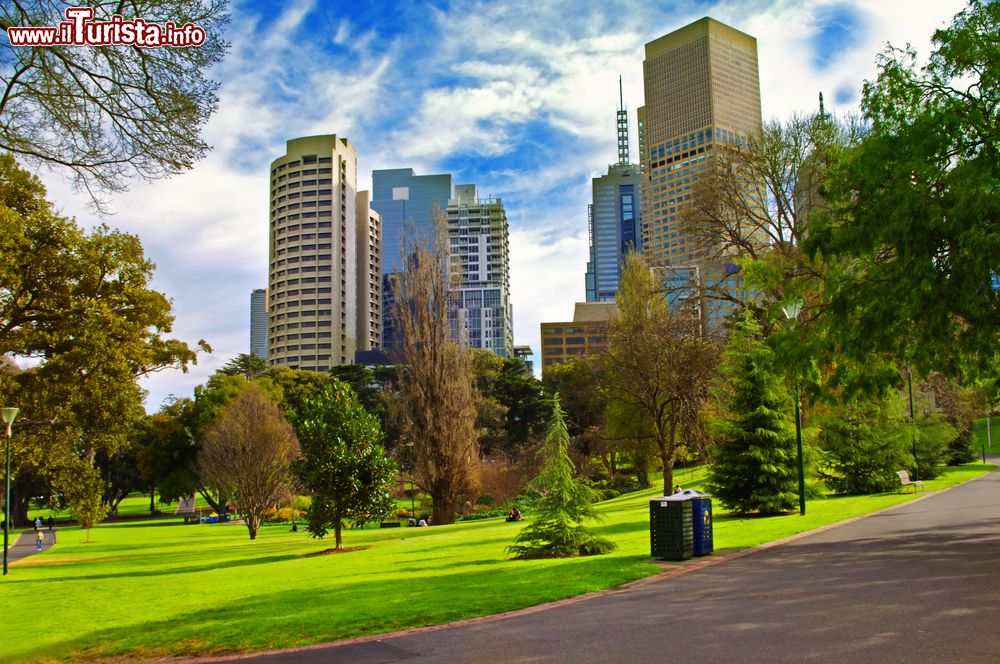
pixel 565 502
pixel 754 464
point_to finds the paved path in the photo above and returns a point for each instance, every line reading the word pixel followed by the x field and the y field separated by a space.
pixel 23 544
pixel 920 583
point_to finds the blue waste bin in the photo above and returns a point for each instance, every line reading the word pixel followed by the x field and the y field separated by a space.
pixel 701 524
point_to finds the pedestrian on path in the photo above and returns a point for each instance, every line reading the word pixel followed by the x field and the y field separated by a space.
pixel 38 523
pixel 39 538
pixel 52 523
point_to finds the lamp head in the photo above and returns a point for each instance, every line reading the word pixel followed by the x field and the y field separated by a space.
pixel 8 415
pixel 792 309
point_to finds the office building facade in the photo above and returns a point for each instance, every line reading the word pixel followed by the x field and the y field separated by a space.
pixel 258 323
pixel 400 196
pixel 584 336
pixel 316 279
pixel 479 244
pixel 702 91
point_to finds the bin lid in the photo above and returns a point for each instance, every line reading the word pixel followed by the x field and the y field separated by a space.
pixel 686 494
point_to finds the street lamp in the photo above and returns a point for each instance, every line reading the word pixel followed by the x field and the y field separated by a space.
pixel 8 414
pixel 792 310
pixel 413 508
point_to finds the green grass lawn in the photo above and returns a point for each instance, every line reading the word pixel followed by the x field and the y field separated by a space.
pixel 159 588
pixel 981 441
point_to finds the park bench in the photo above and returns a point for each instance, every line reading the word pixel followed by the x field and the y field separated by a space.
pixel 192 518
pixel 905 481
pixel 389 524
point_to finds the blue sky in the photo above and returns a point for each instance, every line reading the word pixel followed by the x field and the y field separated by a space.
pixel 516 96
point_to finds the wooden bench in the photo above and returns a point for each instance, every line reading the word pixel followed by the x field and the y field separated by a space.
pixel 192 518
pixel 905 481
pixel 389 524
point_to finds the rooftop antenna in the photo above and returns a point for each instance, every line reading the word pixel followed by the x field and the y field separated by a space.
pixel 623 158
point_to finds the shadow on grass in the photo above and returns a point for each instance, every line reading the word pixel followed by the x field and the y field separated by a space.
pixel 296 617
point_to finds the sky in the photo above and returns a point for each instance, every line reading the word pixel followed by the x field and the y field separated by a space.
pixel 516 96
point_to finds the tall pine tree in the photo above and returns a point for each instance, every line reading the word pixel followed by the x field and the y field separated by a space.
pixel 556 531
pixel 754 464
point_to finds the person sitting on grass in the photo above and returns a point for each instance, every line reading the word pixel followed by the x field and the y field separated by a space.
pixel 514 514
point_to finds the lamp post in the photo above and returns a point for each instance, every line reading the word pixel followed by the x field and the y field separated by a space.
pixel 792 310
pixel 913 419
pixel 8 414
pixel 413 508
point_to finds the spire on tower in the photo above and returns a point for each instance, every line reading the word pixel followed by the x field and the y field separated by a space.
pixel 623 156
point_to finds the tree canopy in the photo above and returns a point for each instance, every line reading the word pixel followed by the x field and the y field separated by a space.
pixel 108 113
pixel 912 235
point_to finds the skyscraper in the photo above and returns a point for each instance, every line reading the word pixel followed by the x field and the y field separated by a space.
pixel 314 271
pixel 258 323
pixel 613 219
pixel 399 195
pixel 478 238
pixel 702 92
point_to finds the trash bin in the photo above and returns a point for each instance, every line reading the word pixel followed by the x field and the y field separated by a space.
pixel 701 522
pixel 671 535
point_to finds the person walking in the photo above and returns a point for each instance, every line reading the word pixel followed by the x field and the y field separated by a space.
pixel 38 523
pixel 52 522
pixel 39 538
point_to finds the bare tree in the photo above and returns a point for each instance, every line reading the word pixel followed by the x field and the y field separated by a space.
pixel 659 366
pixel 248 450
pixel 109 112
pixel 437 401
pixel 753 203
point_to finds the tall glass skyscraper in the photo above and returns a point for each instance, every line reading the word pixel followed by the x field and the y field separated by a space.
pixel 613 218
pixel 258 323
pixel 399 195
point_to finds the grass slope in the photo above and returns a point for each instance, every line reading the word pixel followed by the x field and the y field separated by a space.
pixel 157 588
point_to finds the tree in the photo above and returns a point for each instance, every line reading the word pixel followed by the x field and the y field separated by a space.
pixel 912 227
pixel 84 499
pixel 753 464
pixel 556 531
pixel 167 452
pixel 248 450
pixel 342 464
pixel 659 364
pixel 437 398
pixel 862 447
pixel 250 367
pixel 79 306
pixel 108 112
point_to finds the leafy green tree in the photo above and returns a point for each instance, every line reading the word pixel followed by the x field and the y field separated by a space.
pixel 565 502
pixel 249 366
pixel 109 112
pixel 84 498
pixel 342 464
pixel 863 447
pixel 754 462
pixel 246 453
pixel 166 453
pixel 659 365
pixel 912 230
pixel 78 304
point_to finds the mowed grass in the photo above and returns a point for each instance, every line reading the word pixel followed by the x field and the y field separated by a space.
pixel 144 589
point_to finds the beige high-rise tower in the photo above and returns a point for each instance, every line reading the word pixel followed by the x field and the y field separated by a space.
pixel 319 310
pixel 702 91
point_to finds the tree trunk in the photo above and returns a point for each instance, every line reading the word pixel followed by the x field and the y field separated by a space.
pixel 152 498
pixel 252 527
pixel 443 509
pixel 338 543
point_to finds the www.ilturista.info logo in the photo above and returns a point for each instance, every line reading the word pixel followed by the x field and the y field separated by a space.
pixel 79 29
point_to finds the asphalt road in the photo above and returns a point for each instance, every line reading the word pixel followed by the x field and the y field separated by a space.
pixel 917 584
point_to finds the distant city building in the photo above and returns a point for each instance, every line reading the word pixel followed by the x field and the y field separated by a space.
pixel 315 278
pixel 525 354
pixel 258 323
pixel 613 219
pixel 399 195
pixel 585 335
pixel 369 263
pixel 702 91
pixel 479 242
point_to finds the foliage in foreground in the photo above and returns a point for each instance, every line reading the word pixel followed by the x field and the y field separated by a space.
pixel 565 502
